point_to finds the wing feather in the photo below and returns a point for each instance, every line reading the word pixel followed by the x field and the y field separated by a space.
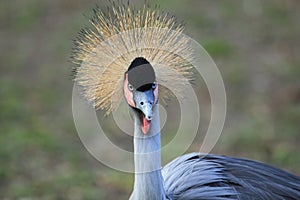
pixel 198 176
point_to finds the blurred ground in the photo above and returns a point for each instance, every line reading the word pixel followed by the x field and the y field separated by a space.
pixel 255 44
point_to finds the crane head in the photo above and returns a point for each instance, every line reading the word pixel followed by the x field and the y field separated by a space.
pixel 141 90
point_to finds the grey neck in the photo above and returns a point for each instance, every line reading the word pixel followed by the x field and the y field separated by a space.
pixel 148 183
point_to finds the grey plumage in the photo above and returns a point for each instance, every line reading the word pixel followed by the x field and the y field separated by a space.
pixel 198 176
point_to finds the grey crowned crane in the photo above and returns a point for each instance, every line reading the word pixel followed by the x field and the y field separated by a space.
pixel 125 55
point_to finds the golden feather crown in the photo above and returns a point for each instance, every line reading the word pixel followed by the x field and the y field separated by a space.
pixel 103 53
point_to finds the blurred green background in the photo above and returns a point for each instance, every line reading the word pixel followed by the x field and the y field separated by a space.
pixel 255 44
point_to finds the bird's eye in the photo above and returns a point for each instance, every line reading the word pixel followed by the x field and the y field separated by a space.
pixel 154 84
pixel 130 87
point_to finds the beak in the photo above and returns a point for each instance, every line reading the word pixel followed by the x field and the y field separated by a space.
pixel 144 102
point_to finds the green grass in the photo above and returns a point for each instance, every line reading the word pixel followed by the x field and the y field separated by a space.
pixel 217 48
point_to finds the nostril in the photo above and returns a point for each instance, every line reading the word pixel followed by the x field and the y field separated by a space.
pixel 142 103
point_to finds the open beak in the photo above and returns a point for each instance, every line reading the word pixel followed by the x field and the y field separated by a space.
pixel 144 102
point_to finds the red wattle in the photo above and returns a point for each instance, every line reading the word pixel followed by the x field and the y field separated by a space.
pixel 145 125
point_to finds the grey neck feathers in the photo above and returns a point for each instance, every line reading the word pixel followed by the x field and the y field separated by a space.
pixel 148 183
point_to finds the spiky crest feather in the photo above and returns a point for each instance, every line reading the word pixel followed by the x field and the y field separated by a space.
pixel 103 54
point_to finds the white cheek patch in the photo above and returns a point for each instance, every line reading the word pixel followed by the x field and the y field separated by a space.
pixel 127 93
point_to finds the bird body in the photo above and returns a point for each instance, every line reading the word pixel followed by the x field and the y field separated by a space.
pixel 197 176
pixel 208 176
pixel 128 54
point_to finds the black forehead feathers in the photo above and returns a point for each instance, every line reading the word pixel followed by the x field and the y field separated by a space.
pixel 141 74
